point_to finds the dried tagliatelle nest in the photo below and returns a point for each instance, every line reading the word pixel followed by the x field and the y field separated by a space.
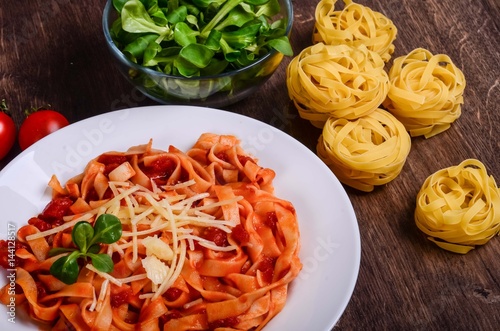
pixel 459 207
pixel 354 25
pixel 336 80
pixel 367 152
pixel 425 92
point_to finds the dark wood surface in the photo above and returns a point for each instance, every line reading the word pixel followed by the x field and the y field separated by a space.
pixel 53 52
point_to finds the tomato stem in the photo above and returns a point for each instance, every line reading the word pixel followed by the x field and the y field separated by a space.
pixel 29 111
pixel 4 108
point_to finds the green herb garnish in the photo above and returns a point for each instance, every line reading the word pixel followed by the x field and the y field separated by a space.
pixel 198 37
pixel 107 230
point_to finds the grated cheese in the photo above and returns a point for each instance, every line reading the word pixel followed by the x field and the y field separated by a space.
pixel 157 247
pixel 180 185
pixel 170 280
pixel 104 275
pixel 102 294
pixel 145 232
pixel 192 303
pixel 94 301
pixel 171 213
pixel 156 270
pixel 132 278
pixel 52 231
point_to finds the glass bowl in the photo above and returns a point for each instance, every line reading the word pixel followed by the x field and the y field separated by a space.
pixel 210 91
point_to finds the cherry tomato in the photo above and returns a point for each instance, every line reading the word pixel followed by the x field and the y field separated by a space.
pixel 7 134
pixel 38 125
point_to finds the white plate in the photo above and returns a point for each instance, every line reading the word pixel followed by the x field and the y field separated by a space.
pixel 330 243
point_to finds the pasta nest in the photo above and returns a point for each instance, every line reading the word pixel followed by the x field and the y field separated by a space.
pixel 459 207
pixel 339 81
pixel 354 25
pixel 367 152
pixel 425 92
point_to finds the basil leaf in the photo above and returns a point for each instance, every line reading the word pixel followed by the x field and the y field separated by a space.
pixel 82 235
pixel 94 249
pixel 66 268
pixel 101 262
pixel 107 229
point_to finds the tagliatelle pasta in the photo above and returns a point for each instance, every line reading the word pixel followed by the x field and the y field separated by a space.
pixel 355 25
pixel 205 244
pixel 459 207
pixel 367 152
pixel 339 81
pixel 425 92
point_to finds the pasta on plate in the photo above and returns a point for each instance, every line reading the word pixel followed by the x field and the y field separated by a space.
pixel 205 243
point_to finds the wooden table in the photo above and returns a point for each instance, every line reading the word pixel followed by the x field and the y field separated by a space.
pixel 53 52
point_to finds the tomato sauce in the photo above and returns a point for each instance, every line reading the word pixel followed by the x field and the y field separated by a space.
pixel 173 294
pixel 271 220
pixel 171 315
pixel 118 299
pixel 5 259
pixel 222 156
pixel 40 290
pixel 224 323
pixel 240 235
pixel 244 159
pixel 40 224
pixel 216 235
pixel 56 210
pixel 266 266
pixel 111 161
pixel 161 168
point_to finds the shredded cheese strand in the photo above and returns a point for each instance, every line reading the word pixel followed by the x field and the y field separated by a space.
pixel 102 294
pixel 104 275
pixel 54 230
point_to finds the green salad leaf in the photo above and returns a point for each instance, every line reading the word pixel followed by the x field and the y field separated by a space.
pixel 198 37
pixel 135 19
